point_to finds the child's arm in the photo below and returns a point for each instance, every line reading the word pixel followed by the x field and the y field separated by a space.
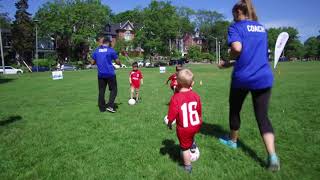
pixel 172 112
pixel 142 81
pixel 130 79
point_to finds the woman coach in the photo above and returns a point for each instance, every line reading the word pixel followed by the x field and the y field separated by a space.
pixel 252 73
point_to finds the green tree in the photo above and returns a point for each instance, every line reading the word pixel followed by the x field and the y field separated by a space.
pixel 160 23
pixel 135 16
pixel 23 32
pixel 312 45
pixel 5 21
pixel 73 24
pixel 293 48
pixel 194 53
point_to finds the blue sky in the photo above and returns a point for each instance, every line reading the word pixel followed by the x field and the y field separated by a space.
pixel 301 14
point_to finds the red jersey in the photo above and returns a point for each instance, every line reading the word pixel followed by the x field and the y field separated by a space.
pixel 135 77
pixel 185 108
pixel 173 79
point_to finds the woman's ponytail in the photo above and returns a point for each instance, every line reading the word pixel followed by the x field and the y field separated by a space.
pixel 250 10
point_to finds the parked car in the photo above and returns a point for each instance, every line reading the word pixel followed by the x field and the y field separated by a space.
pixel 140 63
pixel 158 64
pixel 39 69
pixel 90 66
pixel 10 70
pixel 68 67
pixel 116 66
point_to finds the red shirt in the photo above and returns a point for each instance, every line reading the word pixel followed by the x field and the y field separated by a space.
pixel 135 77
pixel 185 108
pixel 173 79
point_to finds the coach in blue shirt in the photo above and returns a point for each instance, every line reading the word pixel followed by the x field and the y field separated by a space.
pixel 252 73
pixel 103 57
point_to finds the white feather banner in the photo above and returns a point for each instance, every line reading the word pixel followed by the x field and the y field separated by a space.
pixel 280 44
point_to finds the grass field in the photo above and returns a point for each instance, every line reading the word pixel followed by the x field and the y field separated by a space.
pixel 53 130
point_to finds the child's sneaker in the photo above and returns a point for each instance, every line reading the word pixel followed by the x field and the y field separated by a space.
pixel 228 142
pixel 273 163
pixel 188 168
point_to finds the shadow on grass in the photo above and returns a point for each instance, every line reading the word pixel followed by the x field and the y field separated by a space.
pixel 10 120
pixel 5 80
pixel 172 149
pixel 217 132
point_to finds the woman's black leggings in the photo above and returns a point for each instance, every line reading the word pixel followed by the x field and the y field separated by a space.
pixel 260 100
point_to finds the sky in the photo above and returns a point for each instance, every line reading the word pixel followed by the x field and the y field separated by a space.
pixel 301 14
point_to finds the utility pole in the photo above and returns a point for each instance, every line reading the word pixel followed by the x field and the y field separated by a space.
pixel 36 56
pixel 219 53
pixel 1 47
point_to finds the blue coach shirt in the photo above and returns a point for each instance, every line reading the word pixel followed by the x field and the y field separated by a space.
pixel 104 56
pixel 251 70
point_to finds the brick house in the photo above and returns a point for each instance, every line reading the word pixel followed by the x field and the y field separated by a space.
pixel 119 31
pixel 183 44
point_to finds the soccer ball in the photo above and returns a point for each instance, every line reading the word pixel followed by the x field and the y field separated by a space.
pixel 194 154
pixel 165 120
pixel 132 102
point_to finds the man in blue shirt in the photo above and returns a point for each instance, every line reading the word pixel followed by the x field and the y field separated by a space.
pixel 103 57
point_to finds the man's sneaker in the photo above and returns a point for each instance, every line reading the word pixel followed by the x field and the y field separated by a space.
pixel 228 142
pixel 110 109
pixel 273 163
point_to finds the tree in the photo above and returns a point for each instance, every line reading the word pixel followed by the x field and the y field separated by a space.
pixel 73 25
pixel 293 48
pixel 135 16
pixel 160 23
pixel 312 45
pixel 23 32
pixel 5 20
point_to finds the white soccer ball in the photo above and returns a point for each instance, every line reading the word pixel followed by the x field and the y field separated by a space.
pixel 194 154
pixel 165 120
pixel 132 102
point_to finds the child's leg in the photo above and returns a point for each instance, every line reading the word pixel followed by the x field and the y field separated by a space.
pixel 131 92
pixel 186 157
pixel 137 94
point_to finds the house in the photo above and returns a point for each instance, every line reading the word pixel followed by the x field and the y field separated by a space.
pixel 119 31
pixel 182 44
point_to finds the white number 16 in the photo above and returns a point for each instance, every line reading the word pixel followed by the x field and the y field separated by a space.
pixel 193 114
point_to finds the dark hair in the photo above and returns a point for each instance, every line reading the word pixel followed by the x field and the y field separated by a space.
pixel 105 39
pixel 179 67
pixel 246 7
pixel 135 64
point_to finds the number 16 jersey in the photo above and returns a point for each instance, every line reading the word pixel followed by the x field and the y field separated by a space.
pixel 185 108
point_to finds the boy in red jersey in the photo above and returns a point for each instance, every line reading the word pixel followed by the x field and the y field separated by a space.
pixel 173 78
pixel 185 108
pixel 135 79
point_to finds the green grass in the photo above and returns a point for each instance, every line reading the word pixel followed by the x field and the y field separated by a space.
pixel 53 130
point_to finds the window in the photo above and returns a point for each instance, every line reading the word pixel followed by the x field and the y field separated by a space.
pixel 8 67
pixel 127 35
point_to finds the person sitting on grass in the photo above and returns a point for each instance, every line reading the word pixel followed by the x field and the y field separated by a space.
pixel 185 108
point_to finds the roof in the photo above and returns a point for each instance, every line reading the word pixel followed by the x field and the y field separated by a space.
pixel 111 29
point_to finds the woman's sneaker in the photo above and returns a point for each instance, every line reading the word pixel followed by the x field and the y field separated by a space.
pixel 228 142
pixel 273 163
